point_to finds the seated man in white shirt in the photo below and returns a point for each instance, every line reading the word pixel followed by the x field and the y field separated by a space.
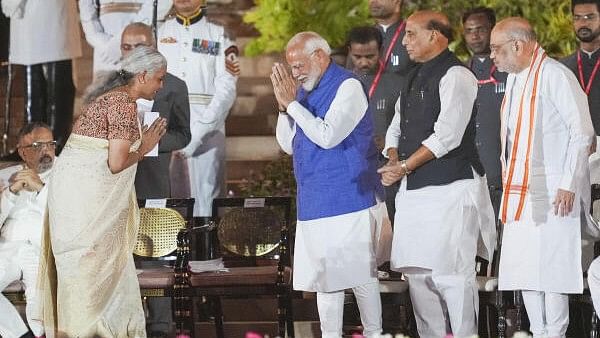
pixel 22 207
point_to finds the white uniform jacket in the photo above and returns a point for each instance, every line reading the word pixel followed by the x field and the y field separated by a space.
pixel 42 31
pixel 196 54
pixel 103 26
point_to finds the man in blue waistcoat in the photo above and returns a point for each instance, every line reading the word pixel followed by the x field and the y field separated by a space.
pixel 327 126
pixel 442 206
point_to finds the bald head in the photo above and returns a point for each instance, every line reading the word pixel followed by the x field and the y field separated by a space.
pixel 516 28
pixel 512 44
pixel 308 54
pixel 134 35
pixel 427 35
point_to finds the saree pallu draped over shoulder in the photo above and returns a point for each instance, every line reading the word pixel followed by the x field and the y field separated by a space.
pixel 87 274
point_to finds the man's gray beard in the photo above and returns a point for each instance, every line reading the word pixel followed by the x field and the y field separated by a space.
pixel 44 166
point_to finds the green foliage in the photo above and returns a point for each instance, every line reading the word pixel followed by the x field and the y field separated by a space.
pixel 551 20
pixel 279 20
pixel 276 179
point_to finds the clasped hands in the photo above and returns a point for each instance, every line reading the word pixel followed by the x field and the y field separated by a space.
pixel 152 134
pixel 26 179
pixel 284 86
pixel 392 171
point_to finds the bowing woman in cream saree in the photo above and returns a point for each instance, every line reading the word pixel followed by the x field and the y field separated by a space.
pixel 87 273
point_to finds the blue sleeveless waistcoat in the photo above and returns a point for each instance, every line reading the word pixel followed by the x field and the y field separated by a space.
pixel 342 179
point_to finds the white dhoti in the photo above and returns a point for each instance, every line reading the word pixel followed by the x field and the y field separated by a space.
pixel 435 244
pixel 19 260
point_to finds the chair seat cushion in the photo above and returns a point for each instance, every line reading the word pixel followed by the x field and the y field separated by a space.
pixel 15 287
pixel 487 284
pixel 240 276
pixel 156 278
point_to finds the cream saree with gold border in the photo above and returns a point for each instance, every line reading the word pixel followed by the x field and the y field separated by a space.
pixel 87 274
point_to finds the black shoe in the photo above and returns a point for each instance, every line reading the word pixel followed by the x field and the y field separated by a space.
pixel 29 334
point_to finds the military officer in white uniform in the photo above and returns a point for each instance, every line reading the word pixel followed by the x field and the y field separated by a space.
pixel 44 37
pixel 196 50
pixel 103 22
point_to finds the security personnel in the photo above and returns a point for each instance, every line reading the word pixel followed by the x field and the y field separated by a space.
pixel 478 24
pixel 196 50
pixel 44 37
pixel 585 62
pixel 103 22
pixel 388 79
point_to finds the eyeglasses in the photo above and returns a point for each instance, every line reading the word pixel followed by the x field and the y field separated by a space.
pixel 585 17
pixel 37 146
pixel 495 47
pixel 128 47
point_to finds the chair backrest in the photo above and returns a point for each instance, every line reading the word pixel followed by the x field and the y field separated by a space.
pixel 160 223
pixel 254 227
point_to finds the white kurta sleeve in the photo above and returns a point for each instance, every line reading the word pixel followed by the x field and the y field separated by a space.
pixel 392 136
pixel 7 202
pixel 570 101
pixel 458 90
pixel 94 32
pixel 285 131
pixel 345 112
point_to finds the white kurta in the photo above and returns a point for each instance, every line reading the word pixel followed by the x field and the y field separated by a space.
pixel 338 252
pixel 42 31
pixel 21 219
pixel 542 252
pixel 103 30
pixel 437 227
pixel 212 93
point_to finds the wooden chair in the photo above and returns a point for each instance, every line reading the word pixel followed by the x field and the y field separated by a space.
pixel 159 239
pixel 491 299
pixel 253 233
